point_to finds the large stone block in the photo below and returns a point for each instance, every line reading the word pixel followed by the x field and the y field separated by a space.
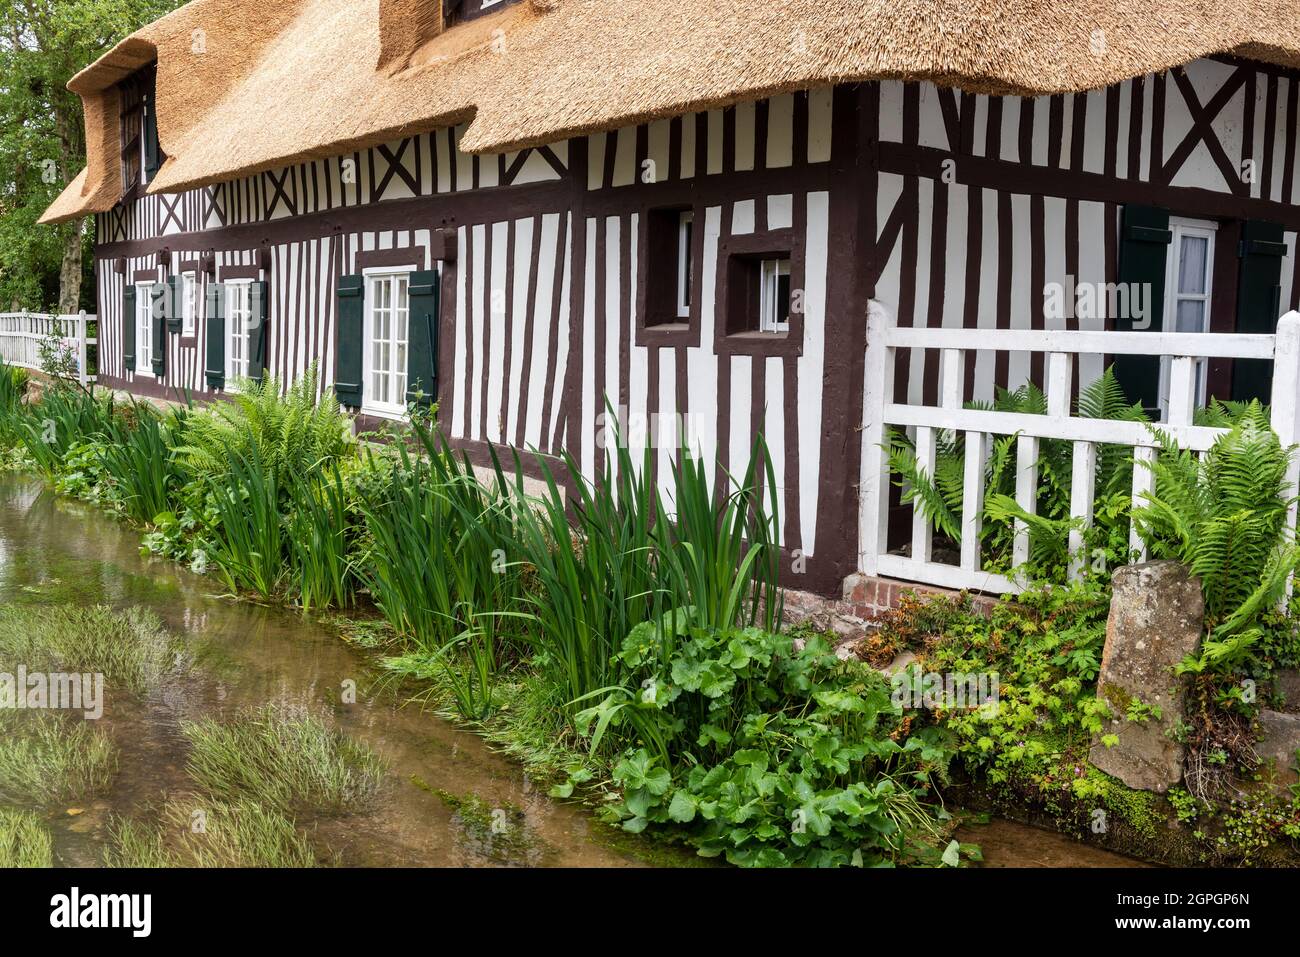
pixel 1156 620
pixel 1277 746
pixel 1286 684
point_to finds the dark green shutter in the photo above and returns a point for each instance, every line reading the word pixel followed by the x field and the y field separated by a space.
pixel 128 329
pixel 422 338
pixel 1143 250
pixel 174 304
pixel 158 325
pixel 1259 303
pixel 349 345
pixel 257 331
pixel 215 360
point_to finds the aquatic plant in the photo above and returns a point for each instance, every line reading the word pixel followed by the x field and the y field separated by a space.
pixel 138 460
pixel 319 540
pixel 444 568
pixel 130 648
pixel 46 758
pixel 283 759
pixel 247 536
pixel 24 841
pixel 201 832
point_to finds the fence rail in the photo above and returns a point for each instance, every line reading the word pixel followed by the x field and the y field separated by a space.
pixel 1059 348
pixel 22 335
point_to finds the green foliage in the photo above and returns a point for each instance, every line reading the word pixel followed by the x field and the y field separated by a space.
pixel 443 568
pixel 47 758
pixel 129 648
pixel 767 755
pixel 138 461
pixel 42 140
pixel 289 432
pixel 320 540
pixel 939 495
pixel 281 759
pixel 24 841
pixel 248 536
pixel 1223 514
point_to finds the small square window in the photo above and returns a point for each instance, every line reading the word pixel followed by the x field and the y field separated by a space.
pixel 669 276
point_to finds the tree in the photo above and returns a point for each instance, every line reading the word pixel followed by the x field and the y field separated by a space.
pixel 43 43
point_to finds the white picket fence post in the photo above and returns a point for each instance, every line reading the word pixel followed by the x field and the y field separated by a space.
pixel 1061 349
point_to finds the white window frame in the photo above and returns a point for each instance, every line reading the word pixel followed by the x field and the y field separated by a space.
pixel 685 233
pixel 144 328
pixel 244 312
pixel 369 403
pixel 770 272
pixel 1182 227
pixel 189 303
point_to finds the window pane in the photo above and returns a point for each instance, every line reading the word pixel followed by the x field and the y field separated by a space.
pixel 1190 316
pixel 1191 265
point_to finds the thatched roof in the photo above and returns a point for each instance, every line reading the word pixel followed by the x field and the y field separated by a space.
pixel 289 80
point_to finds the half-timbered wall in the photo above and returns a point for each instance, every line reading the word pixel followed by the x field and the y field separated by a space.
pixel 947 208
pixel 983 201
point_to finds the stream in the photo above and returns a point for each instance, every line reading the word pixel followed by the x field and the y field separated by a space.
pixel 62 552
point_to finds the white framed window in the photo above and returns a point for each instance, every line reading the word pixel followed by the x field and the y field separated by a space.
pixel 388 306
pixel 1189 282
pixel 189 291
pixel 144 328
pixel 685 230
pixel 774 296
pixel 239 316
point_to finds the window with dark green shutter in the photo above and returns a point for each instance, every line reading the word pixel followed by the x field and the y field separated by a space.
pixel 173 304
pixel 128 329
pixel 160 297
pixel 215 354
pixel 1143 252
pixel 1259 303
pixel 350 330
pixel 257 301
pixel 422 338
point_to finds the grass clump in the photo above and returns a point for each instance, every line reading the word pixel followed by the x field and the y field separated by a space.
pixel 282 759
pixel 46 759
pixel 24 841
pixel 210 834
pixel 130 649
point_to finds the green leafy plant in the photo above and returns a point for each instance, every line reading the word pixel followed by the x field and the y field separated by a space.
pixel 1223 514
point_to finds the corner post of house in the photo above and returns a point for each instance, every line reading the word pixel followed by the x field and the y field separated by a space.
pixel 1285 400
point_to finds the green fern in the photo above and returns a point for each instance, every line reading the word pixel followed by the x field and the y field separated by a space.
pixel 1224 515
pixel 938 494
pixel 288 431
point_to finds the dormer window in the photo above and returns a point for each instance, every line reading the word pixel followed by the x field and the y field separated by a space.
pixel 142 154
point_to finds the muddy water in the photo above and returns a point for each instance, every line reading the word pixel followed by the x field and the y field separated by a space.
pixel 1006 843
pixel 60 552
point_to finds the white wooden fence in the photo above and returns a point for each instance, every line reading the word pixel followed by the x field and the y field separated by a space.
pixel 23 333
pixel 880 412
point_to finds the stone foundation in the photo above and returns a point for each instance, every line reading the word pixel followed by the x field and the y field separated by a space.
pixel 865 598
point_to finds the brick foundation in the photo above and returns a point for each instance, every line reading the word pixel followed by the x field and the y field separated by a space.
pixel 865 598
